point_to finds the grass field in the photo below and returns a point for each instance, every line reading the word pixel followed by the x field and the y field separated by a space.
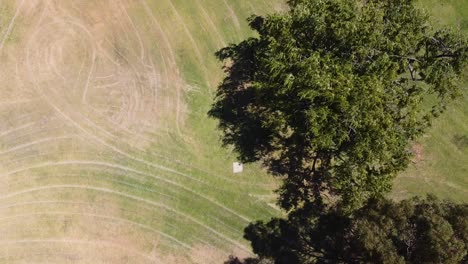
pixel 106 153
pixel 441 161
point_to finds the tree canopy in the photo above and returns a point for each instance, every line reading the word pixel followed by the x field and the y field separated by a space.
pixel 330 93
pixel 411 231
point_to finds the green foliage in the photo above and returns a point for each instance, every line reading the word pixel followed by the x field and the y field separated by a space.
pixel 331 93
pixel 412 231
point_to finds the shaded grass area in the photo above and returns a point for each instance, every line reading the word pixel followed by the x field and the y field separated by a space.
pixel 442 167
pixel 441 170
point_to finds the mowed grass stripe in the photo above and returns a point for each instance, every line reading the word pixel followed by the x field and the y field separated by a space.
pixel 190 204
pixel 70 150
pixel 128 170
pixel 131 197
pixel 98 216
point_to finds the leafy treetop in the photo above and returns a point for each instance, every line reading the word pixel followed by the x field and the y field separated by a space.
pixel 330 94
pixel 411 231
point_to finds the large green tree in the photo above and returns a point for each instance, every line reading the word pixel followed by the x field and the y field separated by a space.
pixel 412 231
pixel 330 93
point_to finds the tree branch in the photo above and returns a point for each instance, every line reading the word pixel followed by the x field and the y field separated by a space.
pixel 445 56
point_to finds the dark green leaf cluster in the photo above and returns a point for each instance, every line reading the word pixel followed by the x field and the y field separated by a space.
pixel 331 93
pixel 412 231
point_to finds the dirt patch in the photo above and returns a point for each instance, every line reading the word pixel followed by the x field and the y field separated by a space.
pixel 205 254
pixel 417 151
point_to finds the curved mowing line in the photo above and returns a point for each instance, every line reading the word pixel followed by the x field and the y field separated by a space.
pixel 51 61
pixel 172 63
pixel 163 33
pixel 13 102
pixel 100 140
pixel 88 79
pixel 233 14
pixel 42 202
pixel 135 186
pixel 10 25
pixel 161 155
pixel 140 42
pixel 42 131
pixel 17 147
pixel 112 147
pixel 93 130
pixel 111 85
pixel 124 168
pixel 178 83
pixel 191 39
pixel 164 168
pixel 210 22
pixel 71 21
pixel 133 197
pixel 187 31
pixel 16 128
pixel 75 241
pixel 123 220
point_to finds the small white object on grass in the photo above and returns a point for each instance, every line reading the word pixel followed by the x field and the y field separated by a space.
pixel 237 167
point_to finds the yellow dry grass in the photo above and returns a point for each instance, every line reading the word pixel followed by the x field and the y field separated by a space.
pixel 91 94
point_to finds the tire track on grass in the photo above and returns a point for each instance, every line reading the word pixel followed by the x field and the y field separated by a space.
pixel 35 142
pixel 10 25
pixel 92 136
pixel 187 31
pixel 11 130
pixel 114 148
pixel 132 197
pixel 210 22
pixel 232 15
pixel 121 182
pixel 118 219
pixel 99 139
pixel 172 59
pixel 124 168
pixel 135 30
pixel 88 33
pixel 76 241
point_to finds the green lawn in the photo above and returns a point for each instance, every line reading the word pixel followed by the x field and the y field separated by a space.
pixel 204 26
pixel 105 138
pixel 442 166
pixel 95 180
